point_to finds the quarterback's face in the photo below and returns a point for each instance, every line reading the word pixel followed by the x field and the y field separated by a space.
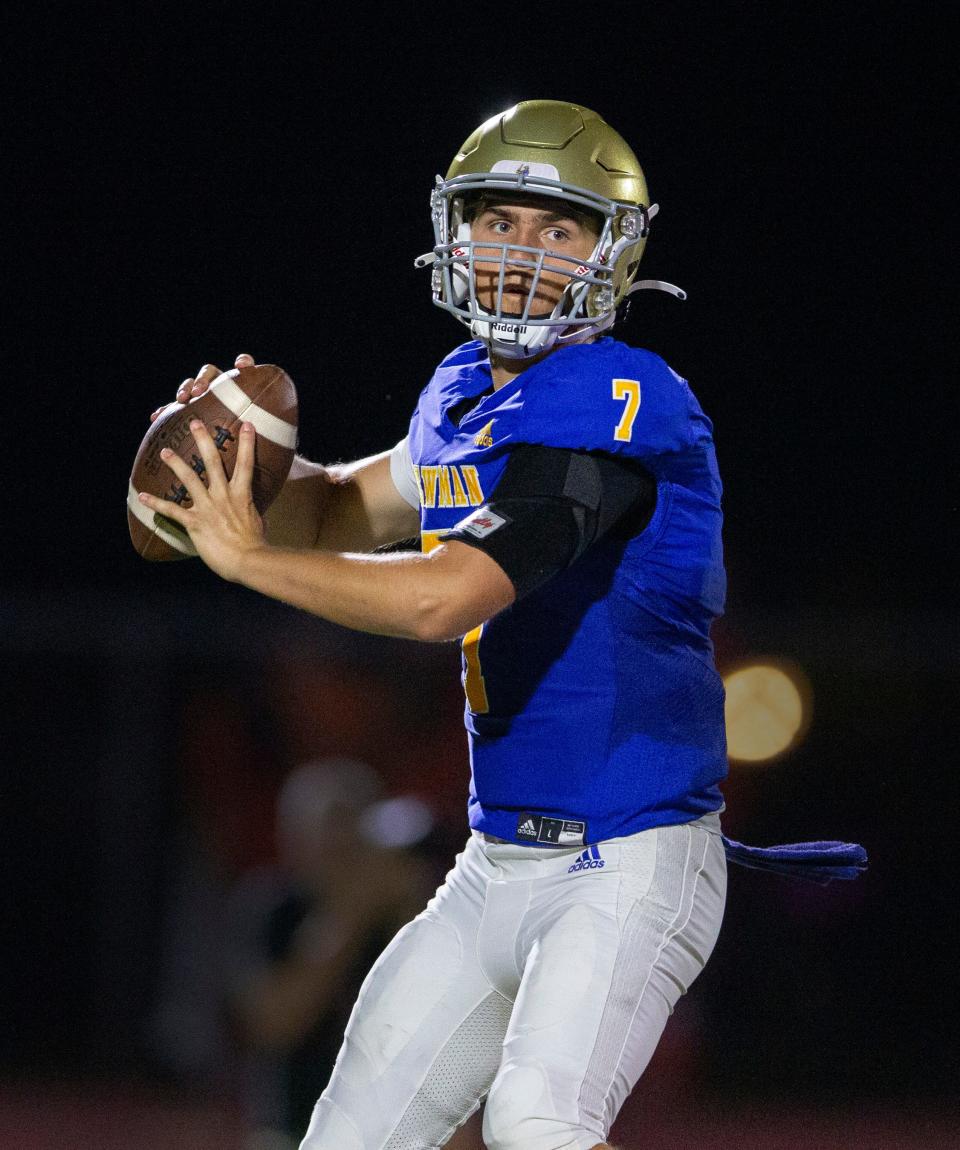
pixel 546 225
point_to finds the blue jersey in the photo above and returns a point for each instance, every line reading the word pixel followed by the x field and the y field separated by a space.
pixel 594 709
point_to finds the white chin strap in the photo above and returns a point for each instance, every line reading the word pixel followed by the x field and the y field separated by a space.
pixel 522 341
pixel 513 340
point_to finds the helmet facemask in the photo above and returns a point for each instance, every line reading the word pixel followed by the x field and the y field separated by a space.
pixel 587 304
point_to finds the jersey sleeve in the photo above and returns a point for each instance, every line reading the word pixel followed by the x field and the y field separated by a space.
pixel 401 472
pixel 622 401
pixel 550 505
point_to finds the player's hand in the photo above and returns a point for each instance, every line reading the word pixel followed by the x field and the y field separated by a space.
pixel 222 522
pixel 197 384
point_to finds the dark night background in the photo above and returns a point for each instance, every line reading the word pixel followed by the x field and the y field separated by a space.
pixel 182 188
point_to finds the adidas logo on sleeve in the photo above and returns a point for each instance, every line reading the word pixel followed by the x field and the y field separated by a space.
pixel 589 860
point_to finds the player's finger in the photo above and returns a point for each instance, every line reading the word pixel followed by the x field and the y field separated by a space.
pixel 243 468
pixel 244 360
pixel 166 507
pixel 159 411
pixel 183 391
pixel 204 377
pixel 216 479
pixel 189 476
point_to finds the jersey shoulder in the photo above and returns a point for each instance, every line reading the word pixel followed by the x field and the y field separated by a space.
pixel 464 371
pixel 473 351
pixel 608 396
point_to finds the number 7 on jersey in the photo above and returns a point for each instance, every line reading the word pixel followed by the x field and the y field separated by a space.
pixel 629 390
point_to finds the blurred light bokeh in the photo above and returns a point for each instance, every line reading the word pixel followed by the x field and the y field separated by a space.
pixel 768 709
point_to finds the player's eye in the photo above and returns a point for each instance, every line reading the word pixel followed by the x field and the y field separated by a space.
pixel 557 235
pixel 499 227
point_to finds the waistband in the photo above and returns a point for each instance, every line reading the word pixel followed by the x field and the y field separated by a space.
pixel 498 849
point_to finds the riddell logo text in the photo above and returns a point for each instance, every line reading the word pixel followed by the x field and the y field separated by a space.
pixel 586 864
pixel 509 328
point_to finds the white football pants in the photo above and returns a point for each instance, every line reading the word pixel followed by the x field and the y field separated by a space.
pixel 539 977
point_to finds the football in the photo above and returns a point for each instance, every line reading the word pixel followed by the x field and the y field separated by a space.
pixel 264 396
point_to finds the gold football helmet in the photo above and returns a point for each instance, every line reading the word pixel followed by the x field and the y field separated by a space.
pixel 543 148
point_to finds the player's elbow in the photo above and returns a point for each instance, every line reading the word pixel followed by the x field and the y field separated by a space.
pixel 460 588
pixel 438 620
pixel 446 614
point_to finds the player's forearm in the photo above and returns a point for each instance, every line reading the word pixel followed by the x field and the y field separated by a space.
pixel 315 508
pixel 403 595
pixel 338 508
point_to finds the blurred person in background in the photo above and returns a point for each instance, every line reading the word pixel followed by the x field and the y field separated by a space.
pixel 302 935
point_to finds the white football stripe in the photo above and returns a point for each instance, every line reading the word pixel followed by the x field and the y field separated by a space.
pixel 235 399
pixel 146 517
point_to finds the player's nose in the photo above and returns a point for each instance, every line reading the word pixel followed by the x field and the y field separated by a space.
pixel 528 236
pixel 525 238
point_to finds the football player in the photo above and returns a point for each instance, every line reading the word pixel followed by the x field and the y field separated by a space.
pixel 566 490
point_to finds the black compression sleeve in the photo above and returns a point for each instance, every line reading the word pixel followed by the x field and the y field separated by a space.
pixel 550 505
